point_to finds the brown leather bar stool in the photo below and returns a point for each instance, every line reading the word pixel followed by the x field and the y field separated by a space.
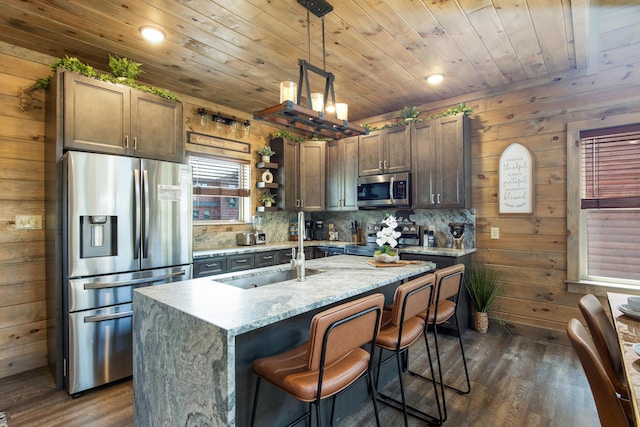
pixel 610 410
pixel 444 306
pixel 330 361
pixel 605 340
pixel 401 327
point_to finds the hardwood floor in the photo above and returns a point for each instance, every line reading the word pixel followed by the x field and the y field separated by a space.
pixel 515 381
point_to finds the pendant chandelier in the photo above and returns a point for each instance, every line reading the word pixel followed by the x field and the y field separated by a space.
pixel 321 115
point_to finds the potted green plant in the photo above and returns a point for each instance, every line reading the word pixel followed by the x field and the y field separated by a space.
pixel 409 114
pixel 266 152
pixel 124 68
pixel 267 199
pixel 484 285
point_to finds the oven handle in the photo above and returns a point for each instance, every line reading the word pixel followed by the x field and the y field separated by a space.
pixel 393 202
pixel 105 285
pixel 93 319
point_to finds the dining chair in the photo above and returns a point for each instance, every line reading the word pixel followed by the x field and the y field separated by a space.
pixel 444 306
pixel 610 409
pixel 402 327
pixel 606 343
pixel 331 360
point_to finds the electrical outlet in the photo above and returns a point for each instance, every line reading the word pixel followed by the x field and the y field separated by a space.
pixel 495 233
pixel 28 222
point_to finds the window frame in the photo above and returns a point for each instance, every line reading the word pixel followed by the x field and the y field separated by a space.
pixel 577 280
pixel 244 211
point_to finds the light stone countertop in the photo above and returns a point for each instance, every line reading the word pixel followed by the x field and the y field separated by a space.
pixel 232 250
pixel 239 310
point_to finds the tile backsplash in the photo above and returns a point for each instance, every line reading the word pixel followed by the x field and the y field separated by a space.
pixel 276 225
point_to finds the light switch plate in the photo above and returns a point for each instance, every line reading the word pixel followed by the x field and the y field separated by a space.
pixel 495 233
pixel 28 222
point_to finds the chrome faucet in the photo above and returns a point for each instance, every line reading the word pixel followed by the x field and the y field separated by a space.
pixel 297 262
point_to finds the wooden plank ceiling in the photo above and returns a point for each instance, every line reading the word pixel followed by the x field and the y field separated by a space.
pixel 235 53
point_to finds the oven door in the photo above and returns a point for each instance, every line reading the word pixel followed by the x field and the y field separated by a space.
pixel 100 347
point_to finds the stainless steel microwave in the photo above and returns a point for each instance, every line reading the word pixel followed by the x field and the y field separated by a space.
pixel 384 190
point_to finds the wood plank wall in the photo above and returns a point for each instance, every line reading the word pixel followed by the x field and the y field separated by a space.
pixel 23 339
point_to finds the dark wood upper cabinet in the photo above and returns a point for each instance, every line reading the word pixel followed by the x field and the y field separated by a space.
pixel 385 151
pixel 441 163
pixel 116 119
pixel 301 174
pixel 342 174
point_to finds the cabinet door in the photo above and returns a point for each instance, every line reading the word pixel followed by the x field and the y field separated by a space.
pixel 156 127
pixel 350 174
pixel 423 161
pixel 240 262
pixel 397 149
pixel 370 154
pixel 450 167
pixel 96 115
pixel 209 266
pixel 334 184
pixel 288 175
pixel 312 175
pixel 266 258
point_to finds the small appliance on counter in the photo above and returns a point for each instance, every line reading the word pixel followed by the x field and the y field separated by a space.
pixel 313 230
pixel 457 231
pixel 259 238
pixel 245 238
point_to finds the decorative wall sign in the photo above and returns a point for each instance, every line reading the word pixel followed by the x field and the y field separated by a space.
pixel 515 175
pixel 214 141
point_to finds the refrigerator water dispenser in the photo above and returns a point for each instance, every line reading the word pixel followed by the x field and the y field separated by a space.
pixel 98 236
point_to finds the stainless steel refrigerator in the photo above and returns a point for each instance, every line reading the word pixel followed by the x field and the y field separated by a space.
pixel 126 223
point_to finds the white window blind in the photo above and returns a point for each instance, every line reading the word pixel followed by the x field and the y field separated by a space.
pixel 610 197
pixel 610 168
pixel 216 176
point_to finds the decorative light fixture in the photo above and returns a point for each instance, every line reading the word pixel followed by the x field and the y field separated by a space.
pixel 224 119
pixel 152 34
pixel 319 116
pixel 434 79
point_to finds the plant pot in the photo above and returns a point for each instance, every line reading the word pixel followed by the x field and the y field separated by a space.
pixel 386 258
pixel 266 159
pixel 267 204
pixel 480 322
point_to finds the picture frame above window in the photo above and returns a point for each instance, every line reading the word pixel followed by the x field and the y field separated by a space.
pixel 515 176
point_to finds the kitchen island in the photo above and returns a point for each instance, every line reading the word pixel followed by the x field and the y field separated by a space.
pixel 194 340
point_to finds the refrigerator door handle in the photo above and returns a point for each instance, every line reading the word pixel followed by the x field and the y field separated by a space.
pixel 145 232
pixel 136 213
pixel 92 319
pixel 106 285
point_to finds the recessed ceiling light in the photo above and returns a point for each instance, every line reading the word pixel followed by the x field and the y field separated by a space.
pixel 435 78
pixel 152 34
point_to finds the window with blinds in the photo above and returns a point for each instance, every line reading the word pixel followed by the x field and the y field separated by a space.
pixel 610 199
pixel 221 188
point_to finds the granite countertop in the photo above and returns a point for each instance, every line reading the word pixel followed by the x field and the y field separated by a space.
pixel 231 250
pixel 241 310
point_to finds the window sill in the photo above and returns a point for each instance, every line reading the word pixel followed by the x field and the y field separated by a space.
pixel 600 289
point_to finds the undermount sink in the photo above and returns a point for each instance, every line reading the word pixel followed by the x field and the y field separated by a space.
pixel 249 281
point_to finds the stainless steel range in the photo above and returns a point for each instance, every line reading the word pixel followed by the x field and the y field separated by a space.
pixel 410 237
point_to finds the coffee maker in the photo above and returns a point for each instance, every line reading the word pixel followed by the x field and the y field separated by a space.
pixel 313 230
pixel 457 231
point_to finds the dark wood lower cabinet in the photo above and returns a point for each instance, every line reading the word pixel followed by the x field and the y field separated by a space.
pixel 464 305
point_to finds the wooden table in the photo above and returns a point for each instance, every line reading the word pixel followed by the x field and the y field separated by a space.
pixel 628 330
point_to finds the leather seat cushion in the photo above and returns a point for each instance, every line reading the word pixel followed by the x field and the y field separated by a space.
pixel 388 335
pixel 446 310
pixel 289 372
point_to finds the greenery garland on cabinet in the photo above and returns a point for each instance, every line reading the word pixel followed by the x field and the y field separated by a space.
pixel 124 72
pixel 410 115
